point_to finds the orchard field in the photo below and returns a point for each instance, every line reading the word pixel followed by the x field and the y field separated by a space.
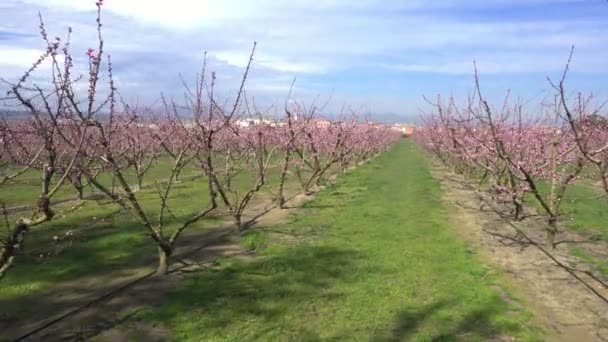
pixel 320 273
pixel 208 218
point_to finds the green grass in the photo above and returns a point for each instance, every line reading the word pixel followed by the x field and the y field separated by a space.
pixel 25 189
pixel 584 206
pixel 585 211
pixel 599 263
pixel 373 258
pixel 112 246
pixel 582 209
pixel 100 247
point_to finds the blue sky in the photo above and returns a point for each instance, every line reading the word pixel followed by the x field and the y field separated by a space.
pixel 381 56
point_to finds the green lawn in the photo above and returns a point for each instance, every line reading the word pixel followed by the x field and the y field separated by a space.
pixel 107 243
pixel 583 209
pixel 104 243
pixel 373 258
pixel 25 189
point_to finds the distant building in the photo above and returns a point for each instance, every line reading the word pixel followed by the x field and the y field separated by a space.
pixel 405 129
pixel 322 123
pixel 249 122
pixel 148 125
pixel 375 125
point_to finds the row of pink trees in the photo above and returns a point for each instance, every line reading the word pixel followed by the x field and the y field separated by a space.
pixel 516 153
pixel 83 139
pixel 586 123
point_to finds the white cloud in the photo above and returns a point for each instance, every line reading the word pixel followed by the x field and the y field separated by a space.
pixel 293 67
pixel 275 63
pixel 23 58
pixel 335 43
pixel 18 57
pixel 233 58
pixel 504 63
pixel 174 14
pixel 182 14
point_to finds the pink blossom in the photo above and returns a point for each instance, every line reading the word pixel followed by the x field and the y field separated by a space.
pixel 91 53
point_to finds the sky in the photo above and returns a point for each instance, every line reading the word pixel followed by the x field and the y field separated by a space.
pixel 373 56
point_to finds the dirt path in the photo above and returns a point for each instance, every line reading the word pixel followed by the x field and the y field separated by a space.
pixel 567 310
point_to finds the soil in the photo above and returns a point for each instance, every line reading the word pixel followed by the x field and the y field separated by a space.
pixel 562 305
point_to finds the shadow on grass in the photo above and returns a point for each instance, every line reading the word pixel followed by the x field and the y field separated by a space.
pixel 310 206
pixel 265 288
pixel 91 270
pixel 444 321
pixel 261 291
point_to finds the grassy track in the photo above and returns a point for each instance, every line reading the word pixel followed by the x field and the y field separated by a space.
pixel 375 259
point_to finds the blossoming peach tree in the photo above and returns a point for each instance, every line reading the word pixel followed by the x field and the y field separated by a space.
pixel 517 153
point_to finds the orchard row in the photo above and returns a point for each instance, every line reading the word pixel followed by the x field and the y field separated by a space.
pixel 516 154
pixel 74 139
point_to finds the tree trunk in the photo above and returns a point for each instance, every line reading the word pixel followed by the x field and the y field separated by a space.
pixel 343 167
pixel 281 195
pixel 177 175
pixel 550 233
pixel 79 187
pixel 518 210
pixel 163 261
pixel 5 264
pixel 113 183
pixel 239 222
pixel 13 245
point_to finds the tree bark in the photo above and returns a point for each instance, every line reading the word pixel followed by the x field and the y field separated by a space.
pixel 80 192
pixel 550 233
pixel 281 195
pixel 163 261
pixel 13 245
pixel 239 222
pixel 518 210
